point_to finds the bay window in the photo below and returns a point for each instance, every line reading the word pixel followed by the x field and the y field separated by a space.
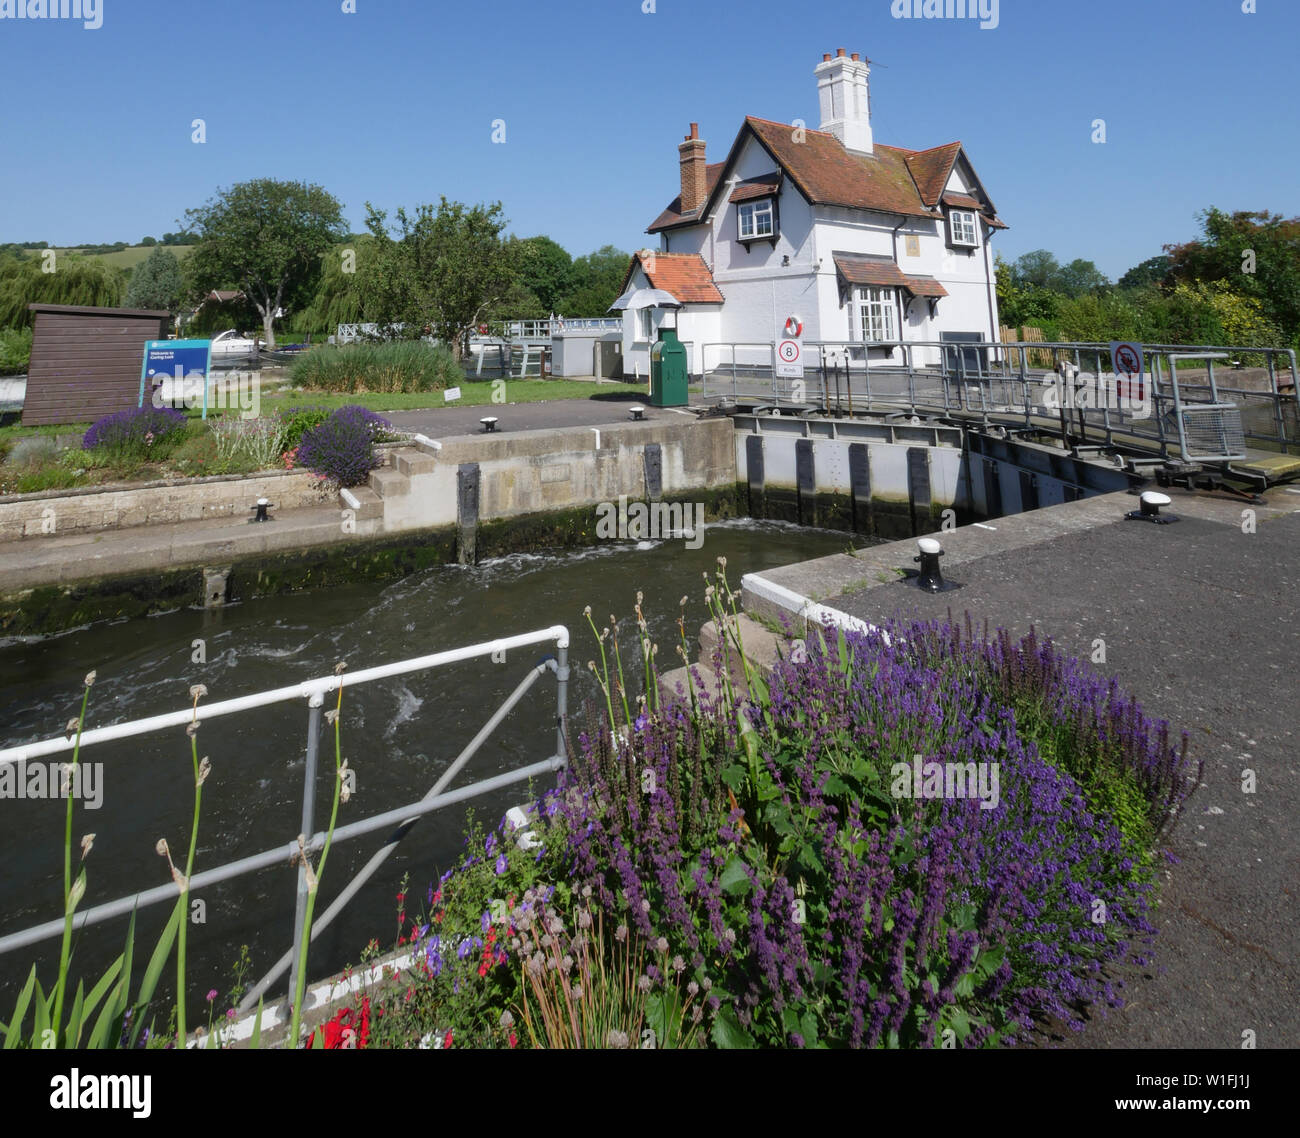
pixel 873 314
pixel 755 220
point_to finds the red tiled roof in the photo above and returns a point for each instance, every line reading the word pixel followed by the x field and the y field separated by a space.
pixel 685 275
pixel 861 269
pixel 925 286
pixel 673 214
pixel 889 180
pixel 761 187
pixel 882 272
pixel 828 174
pixel 931 169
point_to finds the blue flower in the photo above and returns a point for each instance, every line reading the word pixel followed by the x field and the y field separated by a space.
pixel 502 864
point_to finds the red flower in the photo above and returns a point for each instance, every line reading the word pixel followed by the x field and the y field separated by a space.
pixel 513 1039
pixel 348 1030
pixel 446 1040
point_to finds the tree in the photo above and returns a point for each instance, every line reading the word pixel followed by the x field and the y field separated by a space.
pixel 1152 271
pixel 545 269
pixel 74 280
pixel 1080 277
pixel 338 297
pixel 157 283
pixel 265 238
pixel 1038 269
pixel 440 270
pixel 1256 253
pixel 1022 304
pixel 147 241
pixel 597 278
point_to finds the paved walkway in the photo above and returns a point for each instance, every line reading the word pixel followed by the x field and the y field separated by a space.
pixel 598 410
pixel 1202 623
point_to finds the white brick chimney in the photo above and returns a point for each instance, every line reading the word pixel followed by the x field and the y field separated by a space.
pixel 846 99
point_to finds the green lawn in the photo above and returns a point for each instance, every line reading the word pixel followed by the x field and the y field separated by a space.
pixel 473 393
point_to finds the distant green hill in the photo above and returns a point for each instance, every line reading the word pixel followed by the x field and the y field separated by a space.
pixel 132 255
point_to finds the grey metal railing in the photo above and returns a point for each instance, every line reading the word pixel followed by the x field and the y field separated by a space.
pixel 987 379
pixel 403 818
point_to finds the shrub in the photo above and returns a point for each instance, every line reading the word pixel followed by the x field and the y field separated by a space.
pixel 769 843
pixel 296 421
pixel 342 448
pixel 15 350
pixel 141 431
pixel 401 366
pixel 30 452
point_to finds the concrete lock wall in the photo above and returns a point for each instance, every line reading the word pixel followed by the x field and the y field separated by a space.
pixel 156 503
pixel 890 479
pixel 537 471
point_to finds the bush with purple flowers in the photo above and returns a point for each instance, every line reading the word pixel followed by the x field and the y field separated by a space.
pixel 140 431
pixel 776 845
pixel 342 447
pixel 786 874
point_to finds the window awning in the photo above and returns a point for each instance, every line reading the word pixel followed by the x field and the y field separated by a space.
pixel 883 272
pixel 764 186
pixel 963 201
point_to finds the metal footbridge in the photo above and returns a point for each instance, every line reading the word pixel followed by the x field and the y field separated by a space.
pixel 1199 414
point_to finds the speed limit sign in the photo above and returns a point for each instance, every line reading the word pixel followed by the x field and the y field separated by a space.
pixel 789 350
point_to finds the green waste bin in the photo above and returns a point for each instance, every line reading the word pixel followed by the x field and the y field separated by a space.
pixel 668 374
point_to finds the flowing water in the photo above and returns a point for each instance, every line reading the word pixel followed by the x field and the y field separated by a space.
pixel 398 735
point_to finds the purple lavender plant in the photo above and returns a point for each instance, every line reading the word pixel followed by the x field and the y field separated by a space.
pixel 342 448
pixel 139 429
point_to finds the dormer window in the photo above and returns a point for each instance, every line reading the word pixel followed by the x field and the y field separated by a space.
pixel 756 221
pixel 961 228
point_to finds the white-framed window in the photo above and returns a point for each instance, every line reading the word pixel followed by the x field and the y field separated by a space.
pixel 755 220
pixel 961 227
pixel 645 324
pixel 873 312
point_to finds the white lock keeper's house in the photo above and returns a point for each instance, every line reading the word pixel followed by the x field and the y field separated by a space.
pixel 864 242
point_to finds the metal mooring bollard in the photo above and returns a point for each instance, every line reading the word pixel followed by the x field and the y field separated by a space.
pixel 638 413
pixel 1151 501
pixel 930 577
pixel 489 422
pixel 261 508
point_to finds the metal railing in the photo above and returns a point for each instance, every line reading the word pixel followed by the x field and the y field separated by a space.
pixel 1004 380
pixel 402 819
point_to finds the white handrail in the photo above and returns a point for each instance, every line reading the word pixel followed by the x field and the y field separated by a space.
pixel 312 690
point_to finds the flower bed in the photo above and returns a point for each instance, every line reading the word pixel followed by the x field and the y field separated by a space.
pixel 794 868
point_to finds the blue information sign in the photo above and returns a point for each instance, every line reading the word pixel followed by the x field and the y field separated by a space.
pixel 185 363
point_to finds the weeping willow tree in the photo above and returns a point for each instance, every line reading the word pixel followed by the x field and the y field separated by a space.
pixel 337 299
pixel 74 280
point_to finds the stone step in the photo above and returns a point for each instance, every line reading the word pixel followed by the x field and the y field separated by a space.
pixel 707 684
pixel 389 483
pixel 763 648
pixel 413 460
pixel 363 502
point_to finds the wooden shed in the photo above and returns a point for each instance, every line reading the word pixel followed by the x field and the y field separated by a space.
pixel 86 362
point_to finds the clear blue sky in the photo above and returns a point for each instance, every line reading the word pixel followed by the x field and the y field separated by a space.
pixel 395 103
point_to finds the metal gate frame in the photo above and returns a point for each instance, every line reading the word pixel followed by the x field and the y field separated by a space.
pixel 403 818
